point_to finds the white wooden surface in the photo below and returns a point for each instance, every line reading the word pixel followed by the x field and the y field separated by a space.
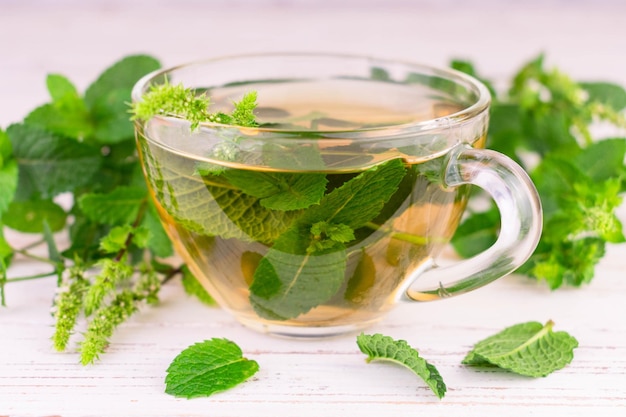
pixel 324 377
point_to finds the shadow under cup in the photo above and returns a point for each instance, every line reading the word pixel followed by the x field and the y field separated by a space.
pixel 318 221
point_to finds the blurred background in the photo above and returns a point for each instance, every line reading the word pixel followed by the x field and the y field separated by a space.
pixel 585 38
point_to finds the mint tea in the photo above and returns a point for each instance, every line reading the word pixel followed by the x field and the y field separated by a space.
pixel 320 218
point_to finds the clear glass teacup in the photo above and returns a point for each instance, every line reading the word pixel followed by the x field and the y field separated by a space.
pixel 318 221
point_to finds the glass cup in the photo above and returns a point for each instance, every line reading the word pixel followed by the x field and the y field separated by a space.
pixel 321 219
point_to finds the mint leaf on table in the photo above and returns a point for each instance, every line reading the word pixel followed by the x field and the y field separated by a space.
pixel 206 368
pixel 529 349
pixel 287 281
pixel 378 347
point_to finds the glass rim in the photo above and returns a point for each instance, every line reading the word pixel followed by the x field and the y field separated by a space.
pixel 477 107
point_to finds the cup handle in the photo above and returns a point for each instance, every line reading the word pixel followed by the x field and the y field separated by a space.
pixel 520 229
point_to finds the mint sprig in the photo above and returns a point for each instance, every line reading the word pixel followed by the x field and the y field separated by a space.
pixel 529 349
pixel 208 367
pixel 179 101
pixel 580 175
pixel 378 347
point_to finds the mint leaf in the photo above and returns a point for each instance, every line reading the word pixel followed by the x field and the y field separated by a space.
pixel 120 206
pixel 66 115
pixel 50 164
pixel 477 233
pixel 60 88
pixel 116 239
pixel 8 183
pixel 279 191
pixel 603 160
pixel 208 367
pixel 29 216
pixel 195 289
pixel 109 113
pixel 67 118
pixel 121 75
pixel 530 349
pixel 306 265
pixel 612 94
pixel 159 243
pixel 107 98
pixel 384 348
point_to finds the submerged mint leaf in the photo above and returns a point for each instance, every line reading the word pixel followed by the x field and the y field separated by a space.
pixel 529 349
pixel 287 280
pixel 385 348
pixel 206 368
pixel 279 191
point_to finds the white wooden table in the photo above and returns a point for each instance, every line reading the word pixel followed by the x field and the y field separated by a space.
pixel 314 377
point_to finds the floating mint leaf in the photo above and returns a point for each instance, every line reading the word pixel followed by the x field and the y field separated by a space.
pixel 385 348
pixel 530 349
pixel 279 191
pixel 306 266
pixel 208 367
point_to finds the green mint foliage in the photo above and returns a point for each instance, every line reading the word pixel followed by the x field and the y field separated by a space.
pixel 287 281
pixel 117 207
pixel 530 349
pixel 279 191
pixel 29 216
pixel 50 164
pixel 580 177
pixel 66 115
pixel 378 347
pixel 84 145
pixel 205 368
pixel 8 172
pixel 193 287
